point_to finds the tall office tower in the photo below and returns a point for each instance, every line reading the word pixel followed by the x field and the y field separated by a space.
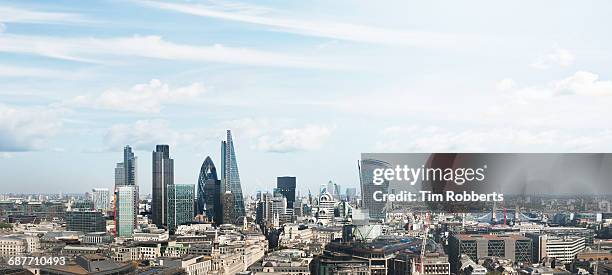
pixel 264 208
pixel 126 205
pixel 126 194
pixel 212 200
pixel 101 199
pixel 163 176
pixel 129 166
pixel 366 168
pixel 351 193
pixel 230 179
pixel 208 172
pixel 286 187
pixel 180 205
pixel 119 174
pixel 228 215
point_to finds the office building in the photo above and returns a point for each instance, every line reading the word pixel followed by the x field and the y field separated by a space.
pixel 514 247
pixel 208 173
pixel 18 245
pixel 286 187
pixel 212 200
pixel 230 178
pixel 126 172
pixel 86 221
pixel 126 206
pixel 376 209
pixel 101 199
pixel 227 208
pixel 562 248
pixel 119 174
pixel 180 204
pixel 163 176
pixel 325 209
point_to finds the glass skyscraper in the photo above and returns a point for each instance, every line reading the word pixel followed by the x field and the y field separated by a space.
pixel 126 203
pixel 230 178
pixel 180 204
pixel 129 165
pixel 286 187
pixel 208 172
pixel 376 209
pixel 163 176
pixel 126 194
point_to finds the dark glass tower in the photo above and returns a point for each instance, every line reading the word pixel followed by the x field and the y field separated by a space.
pixel 129 166
pixel 230 178
pixel 163 176
pixel 208 173
pixel 286 186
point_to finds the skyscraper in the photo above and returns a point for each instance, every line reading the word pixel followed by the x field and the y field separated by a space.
pixel 119 174
pixel 286 187
pixel 163 176
pixel 180 204
pixel 129 165
pixel 126 205
pixel 208 172
pixel 101 199
pixel 212 200
pixel 126 194
pixel 366 168
pixel 230 178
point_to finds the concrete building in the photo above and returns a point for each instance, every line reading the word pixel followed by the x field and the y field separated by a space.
pixel 514 247
pixel 192 264
pixel 18 245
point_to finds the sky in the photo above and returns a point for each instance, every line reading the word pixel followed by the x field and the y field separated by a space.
pixel 305 86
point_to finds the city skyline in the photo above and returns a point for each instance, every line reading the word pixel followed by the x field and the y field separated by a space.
pixel 296 82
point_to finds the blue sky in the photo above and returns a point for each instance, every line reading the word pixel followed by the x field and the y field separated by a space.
pixel 306 86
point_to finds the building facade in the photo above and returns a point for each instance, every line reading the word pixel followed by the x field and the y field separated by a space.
pixel 208 175
pixel 375 208
pixel 514 247
pixel 101 199
pixel 126 205
pixel 180 204
pixel 286 186
pixel 163 176
pixel 230 178
pixel 86 221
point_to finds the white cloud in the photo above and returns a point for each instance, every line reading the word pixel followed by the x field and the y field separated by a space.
pixel 296 139
pixel 314 27
pixel 142 98
pixel 142 135
pixel 581 83
pixel 436 139
pixel 101 50
pixel 15 14
pixel 26 129
pixel 559 57
pixel 2 27
pixel 505 84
